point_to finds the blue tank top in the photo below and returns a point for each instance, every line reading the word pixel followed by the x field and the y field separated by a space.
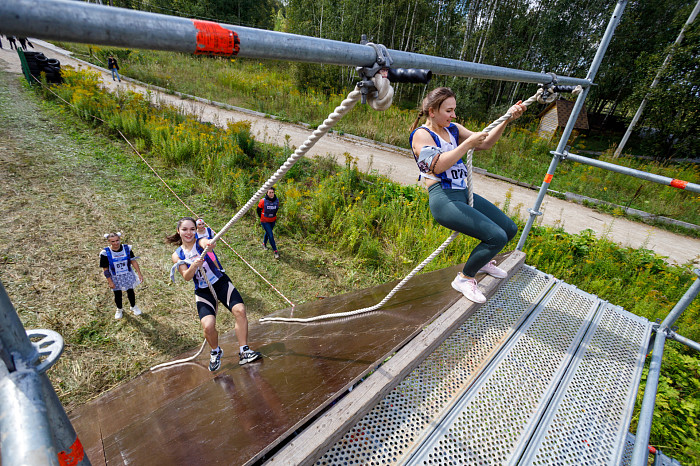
pixel 456 176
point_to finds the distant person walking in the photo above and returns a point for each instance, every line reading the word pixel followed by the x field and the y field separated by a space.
pixel 11 40
pixel 119 264
pixel 23 41
pixel 114 68
pixel 267 210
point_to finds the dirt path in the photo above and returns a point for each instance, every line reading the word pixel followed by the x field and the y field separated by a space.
pixel 397 165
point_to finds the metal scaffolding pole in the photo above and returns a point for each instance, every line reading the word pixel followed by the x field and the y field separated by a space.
pixel 656 80
pixel 597 60
pixel 97 24
pixel 665 180
pixel 34 427
pixel 640 453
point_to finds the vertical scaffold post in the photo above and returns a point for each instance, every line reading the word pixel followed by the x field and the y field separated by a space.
pixel 602 48
pixel 34 427
pixel 640 453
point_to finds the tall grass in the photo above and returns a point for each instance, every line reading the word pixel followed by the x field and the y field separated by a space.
pixel 270 88
pixel 387 229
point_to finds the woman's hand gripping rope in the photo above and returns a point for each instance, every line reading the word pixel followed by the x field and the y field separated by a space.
pixel 514 112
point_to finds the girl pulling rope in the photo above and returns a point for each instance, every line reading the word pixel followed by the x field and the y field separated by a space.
pixel 211 284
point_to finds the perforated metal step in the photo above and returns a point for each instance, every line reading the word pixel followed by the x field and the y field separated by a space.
pixel 595 400
pixel 490 422
pixel 397 425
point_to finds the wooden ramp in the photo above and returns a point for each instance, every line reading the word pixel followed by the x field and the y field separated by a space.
pixel 186 415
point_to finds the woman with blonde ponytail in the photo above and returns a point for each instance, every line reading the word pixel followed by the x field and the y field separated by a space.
pixel 438 147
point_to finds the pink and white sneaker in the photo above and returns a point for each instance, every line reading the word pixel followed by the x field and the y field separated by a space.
pixel 492 270
pixel 469 288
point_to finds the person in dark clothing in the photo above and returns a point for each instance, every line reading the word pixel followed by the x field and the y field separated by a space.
pixel 11 40
pixel 114 68
pixel 267 211
pixel 23 41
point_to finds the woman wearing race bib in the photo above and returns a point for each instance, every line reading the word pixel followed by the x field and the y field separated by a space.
pixel 211 284
pixel 267 211
pixel 119 264
pixel 438 147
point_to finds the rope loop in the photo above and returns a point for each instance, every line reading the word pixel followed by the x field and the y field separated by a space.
pixel 382 99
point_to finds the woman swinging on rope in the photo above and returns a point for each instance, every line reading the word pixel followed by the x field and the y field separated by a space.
pixel 438 147
pixel 210 284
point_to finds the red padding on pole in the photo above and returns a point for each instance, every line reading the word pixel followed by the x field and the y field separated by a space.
pixel 680 184
pixel 212 39
pixel 75 454
pixel 548 178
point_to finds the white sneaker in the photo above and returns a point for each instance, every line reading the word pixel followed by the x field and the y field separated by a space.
pixel 494 271
pixel 469 288
pixel 136 310
pixel 118 314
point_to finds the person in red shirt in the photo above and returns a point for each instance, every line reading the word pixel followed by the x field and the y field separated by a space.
pixel 267 210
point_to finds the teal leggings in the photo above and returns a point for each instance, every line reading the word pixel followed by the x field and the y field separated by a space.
pixel 485 222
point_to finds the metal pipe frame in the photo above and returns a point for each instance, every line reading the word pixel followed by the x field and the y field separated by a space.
pixel 640 453
pixel 97 24
pixel 29 403
pixel 595 64
pixel 629 171
pixel 686 341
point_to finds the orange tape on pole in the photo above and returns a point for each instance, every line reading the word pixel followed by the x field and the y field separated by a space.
pixel 548 178
pixel 680 184
pixel 74 456
pixel 213 39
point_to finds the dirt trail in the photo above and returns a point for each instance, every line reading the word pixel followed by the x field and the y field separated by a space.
pixel 397 164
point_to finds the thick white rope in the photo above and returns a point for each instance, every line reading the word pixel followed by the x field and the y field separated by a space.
pixel 381 100
pixel 420 266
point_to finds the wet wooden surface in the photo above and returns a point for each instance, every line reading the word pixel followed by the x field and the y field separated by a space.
pixel 187 415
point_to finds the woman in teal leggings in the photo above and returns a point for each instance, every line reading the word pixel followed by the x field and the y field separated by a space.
pixel 438 147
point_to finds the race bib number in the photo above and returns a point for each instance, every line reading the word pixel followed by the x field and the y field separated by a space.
pixel 121 267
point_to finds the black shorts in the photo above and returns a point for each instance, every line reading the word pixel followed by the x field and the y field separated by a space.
pixel 226 293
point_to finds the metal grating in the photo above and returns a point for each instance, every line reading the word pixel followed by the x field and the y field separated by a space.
pixel 626 459
pixel 488 424
pixel 404 417
pixel 594 405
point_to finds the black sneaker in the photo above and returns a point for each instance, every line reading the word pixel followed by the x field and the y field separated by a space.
pixel 248 355
pixel 215 359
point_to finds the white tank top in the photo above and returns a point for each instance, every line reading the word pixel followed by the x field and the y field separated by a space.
pixel 192 254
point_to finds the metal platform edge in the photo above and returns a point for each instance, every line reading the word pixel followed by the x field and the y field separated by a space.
pixel 334 423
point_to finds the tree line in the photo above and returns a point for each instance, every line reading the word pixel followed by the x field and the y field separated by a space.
pixel 538 35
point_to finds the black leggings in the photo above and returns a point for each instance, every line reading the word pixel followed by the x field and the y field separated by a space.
pixel 129 294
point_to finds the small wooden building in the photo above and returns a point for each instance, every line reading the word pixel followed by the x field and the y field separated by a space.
pixel 555 116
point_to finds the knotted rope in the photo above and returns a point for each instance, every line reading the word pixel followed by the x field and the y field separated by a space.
pixel 420 266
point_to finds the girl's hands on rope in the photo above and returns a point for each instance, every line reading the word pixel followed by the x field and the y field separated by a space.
pixel 516 110
pixel 476 139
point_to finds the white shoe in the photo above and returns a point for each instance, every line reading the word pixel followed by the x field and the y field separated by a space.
pixel 469 288
pixel 136 310
pixel 494 271
pixel 118 314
